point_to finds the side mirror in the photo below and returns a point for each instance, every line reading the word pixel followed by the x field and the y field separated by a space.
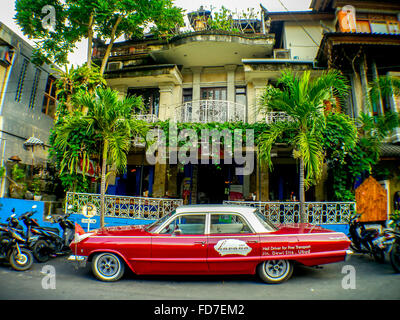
pixel 13 210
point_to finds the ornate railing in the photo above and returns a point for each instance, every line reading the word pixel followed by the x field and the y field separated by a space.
pixel 124 206
pixel 150 118
pixel 275 116
pixel 210 111
pixel 316 212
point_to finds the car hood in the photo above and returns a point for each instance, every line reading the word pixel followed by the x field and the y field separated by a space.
pixel 130 230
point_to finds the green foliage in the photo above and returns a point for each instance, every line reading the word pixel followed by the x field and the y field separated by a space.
pixel 17 173
pixel 82 19
pixel 222 21
pixel 346 164
pixel 302 98
pixel 395 217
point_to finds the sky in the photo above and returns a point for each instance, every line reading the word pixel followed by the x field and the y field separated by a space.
pixel 7 13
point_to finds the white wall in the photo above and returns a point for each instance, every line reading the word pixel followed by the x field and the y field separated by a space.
pixel 299 42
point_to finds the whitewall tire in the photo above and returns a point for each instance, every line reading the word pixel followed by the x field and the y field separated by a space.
pixel 108 267
pixel 275 271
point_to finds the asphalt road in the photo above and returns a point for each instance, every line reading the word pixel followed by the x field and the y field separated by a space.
pixel 372 281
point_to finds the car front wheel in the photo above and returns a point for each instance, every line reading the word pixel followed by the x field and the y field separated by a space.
pixel 107 267
pixel 275 271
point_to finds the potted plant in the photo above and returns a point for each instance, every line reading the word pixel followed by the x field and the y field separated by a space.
pixel 36 187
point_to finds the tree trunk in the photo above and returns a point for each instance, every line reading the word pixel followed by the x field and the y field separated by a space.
pixel 103 184
pixel 90 41
pixel 302 192
pixel 110 45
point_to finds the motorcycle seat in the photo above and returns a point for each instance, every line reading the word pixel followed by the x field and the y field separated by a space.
pixel 49 229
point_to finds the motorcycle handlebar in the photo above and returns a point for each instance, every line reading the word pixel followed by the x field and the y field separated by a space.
pixel 27 214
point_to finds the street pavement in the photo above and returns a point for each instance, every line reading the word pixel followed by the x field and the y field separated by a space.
pixel 360 278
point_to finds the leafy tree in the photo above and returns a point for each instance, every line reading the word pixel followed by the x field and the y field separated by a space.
pixel 303 99
pixel 111 121
pixel 76 20
pixel 362 160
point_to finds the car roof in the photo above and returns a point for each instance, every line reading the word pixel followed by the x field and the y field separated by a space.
pixel 214 208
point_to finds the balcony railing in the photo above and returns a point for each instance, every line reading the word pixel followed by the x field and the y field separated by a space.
pixel 275 116
pixel 316 212
pixel 210 111
pixel 124 206
pixel 150 118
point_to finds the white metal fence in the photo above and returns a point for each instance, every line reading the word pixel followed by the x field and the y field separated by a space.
pixel 316 212
pixel 124 206
pixel 210 111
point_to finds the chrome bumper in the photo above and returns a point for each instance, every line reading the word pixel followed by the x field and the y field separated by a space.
pixel 80 259
pixel 348 255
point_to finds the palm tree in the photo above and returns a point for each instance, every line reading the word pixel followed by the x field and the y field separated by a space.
pixel 112 123
pixel 303 99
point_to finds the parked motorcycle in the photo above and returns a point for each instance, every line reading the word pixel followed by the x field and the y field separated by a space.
pixel 50 242
pixel 389 242
pixel 13 248
pixel 362 239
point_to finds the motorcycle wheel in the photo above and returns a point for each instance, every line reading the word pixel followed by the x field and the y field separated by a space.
pixel 395 257
pixel 378 255
pixel 41 251
pixel 22 262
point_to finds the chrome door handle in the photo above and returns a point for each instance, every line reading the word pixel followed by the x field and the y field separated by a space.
pixel 252 241
pixel 200 242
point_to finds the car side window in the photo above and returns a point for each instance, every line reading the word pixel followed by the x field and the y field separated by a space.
pixel 228 223
pixel 186 224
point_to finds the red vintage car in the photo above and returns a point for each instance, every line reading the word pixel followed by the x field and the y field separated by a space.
pixel 209 239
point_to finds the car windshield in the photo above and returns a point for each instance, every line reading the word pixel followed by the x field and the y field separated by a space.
pixel 152 227
pixel 264 221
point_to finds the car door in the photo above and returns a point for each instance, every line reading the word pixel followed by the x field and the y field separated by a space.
pixel 180 246
pixel 233 247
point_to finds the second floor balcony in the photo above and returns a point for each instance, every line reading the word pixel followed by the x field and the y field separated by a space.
pixel 204 111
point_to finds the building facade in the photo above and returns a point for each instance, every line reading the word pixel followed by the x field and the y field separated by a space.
pixel 218 76
pixel 27 106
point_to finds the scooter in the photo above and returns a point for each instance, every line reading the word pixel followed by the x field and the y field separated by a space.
pixel 50 243
pixel 389 242
pixel 36 234
pixel 362 239
pixel 13 248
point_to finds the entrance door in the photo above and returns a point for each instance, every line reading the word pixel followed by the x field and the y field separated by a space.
pixel 181 246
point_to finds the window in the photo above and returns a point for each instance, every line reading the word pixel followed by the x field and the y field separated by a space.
pixel 151 99
pixel 21 80
pixel 49 101
pixel 377 23
pixel 240 95
pixel 378 27
pixel 186 224
pixel 187 94
pixel 34 88
pixel 228 223
pixel 213 93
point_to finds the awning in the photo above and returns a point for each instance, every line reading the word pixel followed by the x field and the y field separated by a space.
pixel 389 150
pixel 33 142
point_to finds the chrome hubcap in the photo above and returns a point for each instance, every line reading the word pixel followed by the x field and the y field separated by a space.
pixel 108 266
pixel 276 268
